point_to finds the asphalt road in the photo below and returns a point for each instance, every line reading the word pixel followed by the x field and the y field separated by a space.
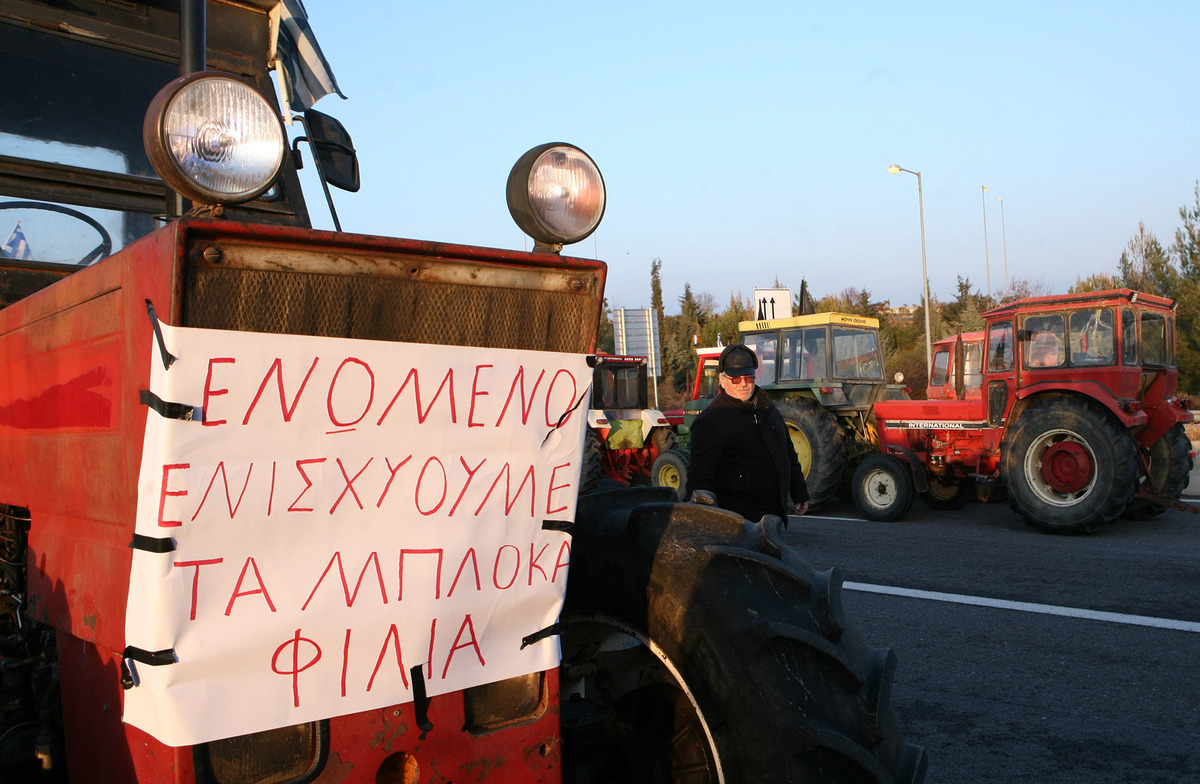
pixel 1086 670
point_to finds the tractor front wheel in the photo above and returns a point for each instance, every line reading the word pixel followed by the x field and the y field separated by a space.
pixel 949 494
pixel 882 488
pixel 1070 468
pixel 670 469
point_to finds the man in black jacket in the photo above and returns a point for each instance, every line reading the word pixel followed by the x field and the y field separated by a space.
pixel 741 450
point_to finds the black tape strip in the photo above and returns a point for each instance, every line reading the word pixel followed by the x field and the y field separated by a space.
pixel 566 414
pixel 153 658
pixel 420 701
pixel 566 526
pixel 171 410
pixel 151 544
pixel 167 357
pixel 550 631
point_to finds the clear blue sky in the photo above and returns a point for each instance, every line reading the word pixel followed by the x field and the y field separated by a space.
pixel 744 143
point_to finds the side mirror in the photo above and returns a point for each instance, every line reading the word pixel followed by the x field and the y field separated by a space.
pixel 334 151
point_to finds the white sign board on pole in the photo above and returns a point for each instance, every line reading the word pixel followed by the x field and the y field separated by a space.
pixel 339 518
pixel 637 336
pixel 772 304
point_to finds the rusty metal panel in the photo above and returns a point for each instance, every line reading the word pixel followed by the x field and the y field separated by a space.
pixel 383 295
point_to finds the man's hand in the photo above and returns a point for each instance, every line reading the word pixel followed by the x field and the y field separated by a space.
pixel 802 508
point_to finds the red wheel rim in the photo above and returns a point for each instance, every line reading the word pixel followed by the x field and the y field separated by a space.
pixel 1066 467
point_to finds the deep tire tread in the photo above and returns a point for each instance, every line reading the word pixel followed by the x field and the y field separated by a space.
pixel 789 692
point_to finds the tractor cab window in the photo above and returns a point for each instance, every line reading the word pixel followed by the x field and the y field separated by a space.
pixel 1042 341
pixel 602 392
pixel 765 346
pixel 1129 344
pixel 77 111
pixel 1093 338
pixel 972 366
pixel 804 353
pixel 941 365
pixel 1172 350
pixel 617 387
pixel 709 385
pixel 856 354
pixel 1154 339
pixel 75 103
pixel 1000 347
pixel 627 387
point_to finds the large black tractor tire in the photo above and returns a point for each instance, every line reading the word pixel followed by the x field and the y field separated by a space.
pixel 697 647
pixel 670 469
pixel 950 494
pixel 1069 466
pixel 819 444
pixel 593 464
pixel 1170 460
pixel 882 488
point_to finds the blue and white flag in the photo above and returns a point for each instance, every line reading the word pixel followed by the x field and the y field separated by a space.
pixel 307 77
pixel 16 247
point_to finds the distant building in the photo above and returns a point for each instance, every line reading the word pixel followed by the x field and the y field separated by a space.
pixel 904 314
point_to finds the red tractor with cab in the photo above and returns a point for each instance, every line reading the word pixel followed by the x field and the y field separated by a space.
pixel 1067 401
pixel 954 378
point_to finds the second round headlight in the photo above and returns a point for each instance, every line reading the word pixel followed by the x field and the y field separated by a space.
pixel 556 194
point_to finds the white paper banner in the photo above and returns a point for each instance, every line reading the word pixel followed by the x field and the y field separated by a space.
pixel 346 511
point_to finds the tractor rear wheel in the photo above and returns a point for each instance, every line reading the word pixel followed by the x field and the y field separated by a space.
pixel 670 469
pixel 882 488
pixel 949 494
pixel 1070 468
pixel 1170 461
pixel 698 647
pixel 819 444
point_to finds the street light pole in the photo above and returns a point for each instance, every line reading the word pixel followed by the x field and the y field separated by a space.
pixel 987 263
pixel 1004 237
pixel 894 169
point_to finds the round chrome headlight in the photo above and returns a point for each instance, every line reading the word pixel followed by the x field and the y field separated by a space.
pixel 556 194
pixel 214 138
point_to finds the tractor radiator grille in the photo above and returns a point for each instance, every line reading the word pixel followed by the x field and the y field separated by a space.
pixel 451 302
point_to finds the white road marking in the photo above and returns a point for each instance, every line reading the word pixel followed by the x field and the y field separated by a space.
pixel 1045 609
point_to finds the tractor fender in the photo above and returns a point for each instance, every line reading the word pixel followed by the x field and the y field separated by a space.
pixel 1083 389
pixel 918 467
pixel 1172 412
pixel 652 418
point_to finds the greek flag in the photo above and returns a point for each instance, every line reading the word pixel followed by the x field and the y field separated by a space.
pixel 307 77
pixel 16 247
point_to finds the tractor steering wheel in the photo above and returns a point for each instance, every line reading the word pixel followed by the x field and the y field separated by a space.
pixel 98 252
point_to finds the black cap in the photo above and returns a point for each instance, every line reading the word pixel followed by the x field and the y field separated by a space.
pixel 738 361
